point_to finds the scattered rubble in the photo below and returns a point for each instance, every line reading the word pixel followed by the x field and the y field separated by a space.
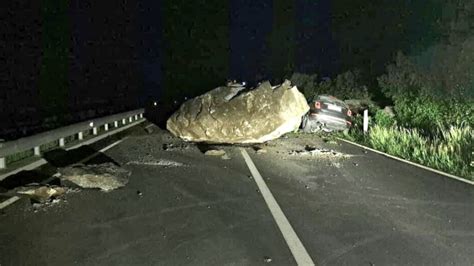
pixel 225 157
pixel 267 259
pixel 227 115
pixel 106 177
pixel 42 194
pixel 173 147
pixel 152 161
pixel 43 197
pixel 313 151
pixel 45 205
pixel 259 150
pixel 214 152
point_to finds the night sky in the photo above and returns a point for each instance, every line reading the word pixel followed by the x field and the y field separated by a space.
pixel 81 58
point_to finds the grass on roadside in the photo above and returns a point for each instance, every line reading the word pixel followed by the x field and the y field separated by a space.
pixel 450 150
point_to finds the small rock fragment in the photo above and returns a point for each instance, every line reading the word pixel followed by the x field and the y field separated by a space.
pixel 261 151
pixel 267 259
pixel 43 193
pixel 139 193
pixel 355 164
pixel 225 157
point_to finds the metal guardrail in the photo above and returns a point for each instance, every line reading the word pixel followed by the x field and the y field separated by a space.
pixel 34 142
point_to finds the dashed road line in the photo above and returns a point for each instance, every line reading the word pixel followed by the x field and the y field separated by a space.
pixel 294 243
pixel 9 201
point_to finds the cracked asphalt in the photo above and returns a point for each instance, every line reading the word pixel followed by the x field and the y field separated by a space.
pixel 192 209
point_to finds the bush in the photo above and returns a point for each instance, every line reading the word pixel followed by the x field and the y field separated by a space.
pixel 345 86
pixel 449 151
pixel 422 99
pixel 305 83
pixel 428 114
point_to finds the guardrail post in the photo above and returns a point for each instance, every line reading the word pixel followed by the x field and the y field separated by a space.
pixel 116 123
pixel 136 117
pixel 37 151
pixel 106 127
pixel 141 115
pixel 3 163
pixel 61 142
pixel 130 119
pixel 80 135
pixel 366 121
pixel 123 121
pixel 94 131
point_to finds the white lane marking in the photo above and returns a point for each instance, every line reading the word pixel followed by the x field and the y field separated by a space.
pixel 296 247
pixel 15 198
pixel 28 167
pixel 411 163
pixel 8 202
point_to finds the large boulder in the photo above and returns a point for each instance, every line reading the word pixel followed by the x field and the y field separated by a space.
pixel 227 115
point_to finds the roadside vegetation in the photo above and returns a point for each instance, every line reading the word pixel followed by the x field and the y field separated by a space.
pixel 432 122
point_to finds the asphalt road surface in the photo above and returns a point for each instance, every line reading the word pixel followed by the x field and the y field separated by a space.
pixel 181 207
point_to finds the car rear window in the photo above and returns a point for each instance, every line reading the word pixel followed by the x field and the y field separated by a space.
pixel 331 100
